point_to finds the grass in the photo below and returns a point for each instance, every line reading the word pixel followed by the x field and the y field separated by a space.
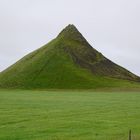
pixel 69 115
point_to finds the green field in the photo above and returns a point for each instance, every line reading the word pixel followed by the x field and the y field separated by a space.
pixel 69 115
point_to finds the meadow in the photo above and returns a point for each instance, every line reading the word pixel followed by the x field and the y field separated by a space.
pixel 69 115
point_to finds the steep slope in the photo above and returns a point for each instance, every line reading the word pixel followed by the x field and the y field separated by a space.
pixel 68 61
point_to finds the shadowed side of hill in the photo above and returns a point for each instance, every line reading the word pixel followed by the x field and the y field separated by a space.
pixel 67 62
pixel 84 55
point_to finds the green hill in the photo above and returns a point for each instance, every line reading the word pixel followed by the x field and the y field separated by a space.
pixel 67 62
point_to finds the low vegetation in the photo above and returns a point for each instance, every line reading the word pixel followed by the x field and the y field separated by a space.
pixel 69 115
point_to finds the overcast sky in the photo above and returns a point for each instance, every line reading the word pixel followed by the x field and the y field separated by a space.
pixel 111 26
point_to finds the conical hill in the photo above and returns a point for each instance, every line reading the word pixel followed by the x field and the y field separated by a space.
pixel 67 62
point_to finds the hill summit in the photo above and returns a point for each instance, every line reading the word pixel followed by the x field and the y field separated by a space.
pixel 67 62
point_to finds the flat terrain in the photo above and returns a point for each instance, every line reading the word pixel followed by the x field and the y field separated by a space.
pixel 69 115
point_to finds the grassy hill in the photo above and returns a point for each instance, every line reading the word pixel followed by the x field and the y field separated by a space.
pixel 67 62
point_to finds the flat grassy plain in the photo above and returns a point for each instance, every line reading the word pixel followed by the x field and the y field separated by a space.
pixel 69 115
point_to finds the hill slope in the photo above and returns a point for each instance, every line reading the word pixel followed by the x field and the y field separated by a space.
pixel 66 62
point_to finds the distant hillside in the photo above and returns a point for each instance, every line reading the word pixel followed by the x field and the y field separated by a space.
pixel 67 62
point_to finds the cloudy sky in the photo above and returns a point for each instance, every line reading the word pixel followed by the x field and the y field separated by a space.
pixel 110 26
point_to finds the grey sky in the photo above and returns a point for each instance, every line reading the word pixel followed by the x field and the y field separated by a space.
pixel 110 26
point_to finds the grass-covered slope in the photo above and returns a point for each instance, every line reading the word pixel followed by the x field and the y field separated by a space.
pixel 68 61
